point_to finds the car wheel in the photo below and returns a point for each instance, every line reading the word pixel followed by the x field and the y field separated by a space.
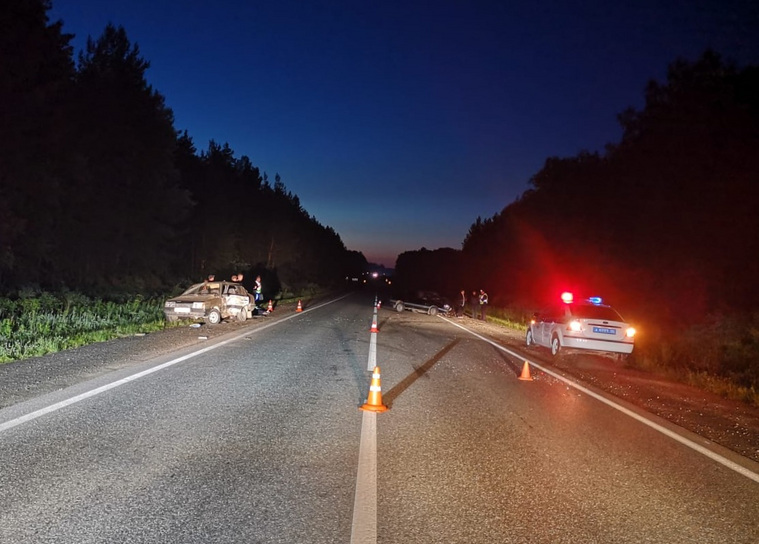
pixel 242 315
pixel 399 307
pixel 529 339
pixel 214 317
pixel 432 310
pixel 555 346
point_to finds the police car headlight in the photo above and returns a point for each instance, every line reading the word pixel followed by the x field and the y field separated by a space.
pixel 575 326
pixel 630 332
pixel 197 305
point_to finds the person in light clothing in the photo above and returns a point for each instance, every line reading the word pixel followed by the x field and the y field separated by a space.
pixel 483 304
pixel 257 291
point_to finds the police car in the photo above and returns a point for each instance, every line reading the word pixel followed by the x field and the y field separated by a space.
pixel 586 324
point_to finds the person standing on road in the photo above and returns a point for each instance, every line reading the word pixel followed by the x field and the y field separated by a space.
pixel 461 307
pixel 483 304
pixel 258 297
pixel 474 302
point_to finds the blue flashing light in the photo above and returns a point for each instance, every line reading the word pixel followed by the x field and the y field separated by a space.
pixel 595 300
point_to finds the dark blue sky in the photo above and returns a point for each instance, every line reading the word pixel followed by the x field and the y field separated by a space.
pixel 399 123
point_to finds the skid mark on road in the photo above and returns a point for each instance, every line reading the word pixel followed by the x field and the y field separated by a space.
pixel 396 391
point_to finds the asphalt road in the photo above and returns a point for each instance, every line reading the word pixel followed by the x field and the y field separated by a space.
pixel 255 436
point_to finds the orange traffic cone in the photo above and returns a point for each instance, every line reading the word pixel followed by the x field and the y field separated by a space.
pixel 526 372
pixel 299 308
pixel 374 324
pixel 271 306
pixel 374 401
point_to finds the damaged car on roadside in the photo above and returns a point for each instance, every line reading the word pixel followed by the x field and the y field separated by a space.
pixel 211 302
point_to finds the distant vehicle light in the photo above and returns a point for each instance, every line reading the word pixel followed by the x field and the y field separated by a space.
pixel 575 326
pixel 630 332
pixel 375 274
pixel 567 297
pixel 595 300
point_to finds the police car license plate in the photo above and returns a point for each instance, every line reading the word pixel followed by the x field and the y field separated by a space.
pixel 604 330
pixel 181 310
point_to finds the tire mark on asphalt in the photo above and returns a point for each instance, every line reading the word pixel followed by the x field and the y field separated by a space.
pixel 404 384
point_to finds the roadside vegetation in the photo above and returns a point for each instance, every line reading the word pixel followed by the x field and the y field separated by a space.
pixel 516 319
pixel 35 324
pixel 720 355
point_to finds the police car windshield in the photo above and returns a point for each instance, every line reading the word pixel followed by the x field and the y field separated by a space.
pixel 591 311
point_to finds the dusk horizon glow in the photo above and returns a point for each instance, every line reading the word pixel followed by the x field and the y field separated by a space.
pixel 399 124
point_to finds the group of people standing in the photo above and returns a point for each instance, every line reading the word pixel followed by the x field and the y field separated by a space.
pixel 478 303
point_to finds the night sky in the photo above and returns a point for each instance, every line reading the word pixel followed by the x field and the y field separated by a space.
pixel 399 123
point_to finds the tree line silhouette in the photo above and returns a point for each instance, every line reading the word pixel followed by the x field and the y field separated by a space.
pixel 664 223
pixel 99 190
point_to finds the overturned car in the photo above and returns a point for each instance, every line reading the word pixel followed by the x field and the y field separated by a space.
pixel 211 302
pixel 427 302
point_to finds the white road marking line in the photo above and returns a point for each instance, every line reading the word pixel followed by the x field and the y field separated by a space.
pixel 372 352
pixel 94 392
pixel 667 432
pixel 364 528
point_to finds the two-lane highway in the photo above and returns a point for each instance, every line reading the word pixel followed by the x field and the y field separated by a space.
pixel 257 439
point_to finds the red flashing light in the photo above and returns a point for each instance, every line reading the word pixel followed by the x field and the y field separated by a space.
pixel 567 297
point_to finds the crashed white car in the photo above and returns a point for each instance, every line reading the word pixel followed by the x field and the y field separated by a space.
pixel 211 302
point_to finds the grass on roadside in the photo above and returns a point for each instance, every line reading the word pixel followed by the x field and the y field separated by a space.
pixel 505 317
pixel 37 323
pixel 40 323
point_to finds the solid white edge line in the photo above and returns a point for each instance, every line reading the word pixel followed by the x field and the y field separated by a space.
pixel 364 527
pixel 667 432
pixel 102 389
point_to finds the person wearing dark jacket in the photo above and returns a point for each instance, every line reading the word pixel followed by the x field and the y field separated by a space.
pixel 461 306
pixel 474 302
